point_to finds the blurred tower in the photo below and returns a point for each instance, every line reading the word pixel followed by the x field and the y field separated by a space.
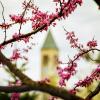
pixel 49 55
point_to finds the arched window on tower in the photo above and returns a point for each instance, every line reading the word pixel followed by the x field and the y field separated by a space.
pixel 55 60
pixel 45 60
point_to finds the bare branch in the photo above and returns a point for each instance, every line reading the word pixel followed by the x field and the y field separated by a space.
pixel 55 91
pixel 3 19
pixel 23 14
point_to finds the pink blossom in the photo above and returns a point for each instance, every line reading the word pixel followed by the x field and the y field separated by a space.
pixel 62 82
pixel 16 55
pixel 4 25
pixel 1 47
pixel 17 18
pixel 15 96
pixel 26 39
pixel 66 73
pixel 72 91
pixel 86 82
pixel 92 44
pixel 72 39
pixel 15 35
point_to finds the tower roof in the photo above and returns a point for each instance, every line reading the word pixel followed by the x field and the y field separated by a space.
pixel 49 43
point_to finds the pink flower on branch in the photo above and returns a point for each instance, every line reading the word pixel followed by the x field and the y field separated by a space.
pixel 66 73
pixel 28 5
pixel 4 26
pixel 26 40
pixel 92 44
pixel 1 47
pixel 41 20
pixel 15 35
pixel 16 55
pixel 17 18
pixel 72 91
pixel 72 39
pixel 89 79
pixel 15 96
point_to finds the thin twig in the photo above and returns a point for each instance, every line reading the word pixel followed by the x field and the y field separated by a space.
pixel 23 14
pixel 3 20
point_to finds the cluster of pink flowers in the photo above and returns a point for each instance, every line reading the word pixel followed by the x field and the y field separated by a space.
pixel 4 26
pixel 40 18
pixel 86 82
pixel 67 6
pixel 17 18
pixel 27 4
pixel 1 47
pixel 89 79
pixel 26 40
pixel 72 91
pixel 16 35
pixel 66 73
pixel 72 39
pixel 15 96
pixel 95 75
pixel 92 44
pixel 16 54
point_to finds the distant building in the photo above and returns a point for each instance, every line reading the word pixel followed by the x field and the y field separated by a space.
pixel 49 55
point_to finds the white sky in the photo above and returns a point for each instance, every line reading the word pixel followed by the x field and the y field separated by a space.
pixel 84 21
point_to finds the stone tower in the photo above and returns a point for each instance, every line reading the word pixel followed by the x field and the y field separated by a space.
pixel 49 55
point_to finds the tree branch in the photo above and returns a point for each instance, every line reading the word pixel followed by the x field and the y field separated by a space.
pixel 94 93
pixel 36 30
pixel 55 91
pixel 23 14
pixel 3 19
pixel 97 2
pixel 26 35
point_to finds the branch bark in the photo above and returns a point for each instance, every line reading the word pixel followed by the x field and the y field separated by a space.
pixel 32 85
pixel 94 93
pixel 97 2
pixel 55 91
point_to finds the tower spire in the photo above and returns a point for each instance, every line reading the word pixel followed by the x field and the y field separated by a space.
pixel 49 43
